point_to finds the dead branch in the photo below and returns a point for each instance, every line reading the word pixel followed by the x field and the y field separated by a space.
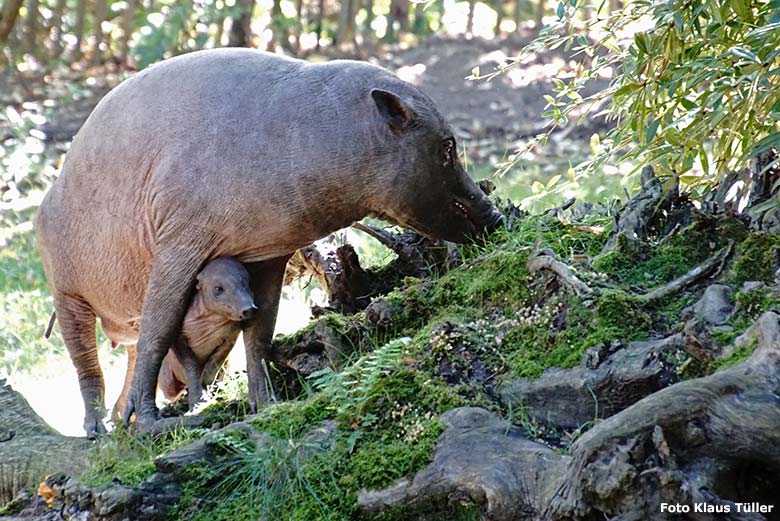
pixel 545 260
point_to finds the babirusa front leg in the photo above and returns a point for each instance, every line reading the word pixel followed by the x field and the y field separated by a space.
pixel 266 279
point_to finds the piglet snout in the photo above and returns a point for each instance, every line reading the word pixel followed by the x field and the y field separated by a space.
pixel 248 312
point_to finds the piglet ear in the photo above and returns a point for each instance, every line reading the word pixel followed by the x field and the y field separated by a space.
pixel 395 111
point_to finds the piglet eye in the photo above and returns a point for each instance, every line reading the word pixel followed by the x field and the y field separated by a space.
pixel 218 290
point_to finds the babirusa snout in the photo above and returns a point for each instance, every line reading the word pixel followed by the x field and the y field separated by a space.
pixel 248 311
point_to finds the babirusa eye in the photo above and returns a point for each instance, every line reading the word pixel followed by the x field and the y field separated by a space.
pixel 448 151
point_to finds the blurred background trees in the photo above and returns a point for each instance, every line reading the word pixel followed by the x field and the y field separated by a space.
pixel 135 33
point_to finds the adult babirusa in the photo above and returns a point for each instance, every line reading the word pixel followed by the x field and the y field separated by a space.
pixel 238 153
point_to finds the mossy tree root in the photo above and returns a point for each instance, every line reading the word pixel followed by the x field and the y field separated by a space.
pixel 713 439
pixel 709 440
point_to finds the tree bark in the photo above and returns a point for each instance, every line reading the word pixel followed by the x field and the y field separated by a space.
pixel 100 16
pixel 8 18
pixel 31 26
pixel 241 27
pixel 420 23
pixel 300 26
pixel 78 29
pixel 320 17
pixel 540 9
pixel 346 30
pixel 518 5
pixel 30 449
pixel 470 19
pixel 499 16
pixel 127 31
pixel 368 32
pixel 56 29
pixel 706 440
pixel 219 33
pixel 399 12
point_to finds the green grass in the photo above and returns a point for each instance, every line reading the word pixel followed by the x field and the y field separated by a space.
pixel 123 457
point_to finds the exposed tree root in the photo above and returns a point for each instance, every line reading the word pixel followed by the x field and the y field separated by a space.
pixel 709 440
pixel 481 460
pixel 545 260
pixel 30 449
pixel 688 443
pixel 689 278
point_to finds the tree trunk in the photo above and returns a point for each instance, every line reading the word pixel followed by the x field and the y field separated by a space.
pixel 346 22
pixel 8 18
pixel 127 31
pixel 368 32
pixel 100 16
pixel 31 26
pixel 78 29
pixel 540 8
pixel 300 26
pixel 470 19
pixel 30 449
pixel 320 17
pixel 518 5
pixel 420 23
pixel 241 28
pixel 499 16
pixel 220 32
pixel 278 31
pixel 399 12
pixel 706 440
pixel 56 29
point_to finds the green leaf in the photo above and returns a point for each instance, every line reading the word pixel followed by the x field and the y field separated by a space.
pixel 652 129
pixel 741 52
pixel 561 12
pixel 627 89
pixel 704 160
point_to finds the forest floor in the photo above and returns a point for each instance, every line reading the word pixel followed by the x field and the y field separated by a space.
pixel 579 364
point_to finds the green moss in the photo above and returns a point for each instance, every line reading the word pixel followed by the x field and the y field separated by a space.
pixel 394 437
pixel 126 458
pixel 377 464
pixel 292 418
pixel 755 258
pixel 621 316
pixel 633 265
pixel 738 355
pixel 500 279
pixel 13 507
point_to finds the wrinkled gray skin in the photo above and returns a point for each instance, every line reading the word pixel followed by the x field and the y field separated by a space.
pixel 223 298
pixel 233 152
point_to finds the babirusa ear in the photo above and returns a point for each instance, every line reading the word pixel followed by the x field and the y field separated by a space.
pixel 398 114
